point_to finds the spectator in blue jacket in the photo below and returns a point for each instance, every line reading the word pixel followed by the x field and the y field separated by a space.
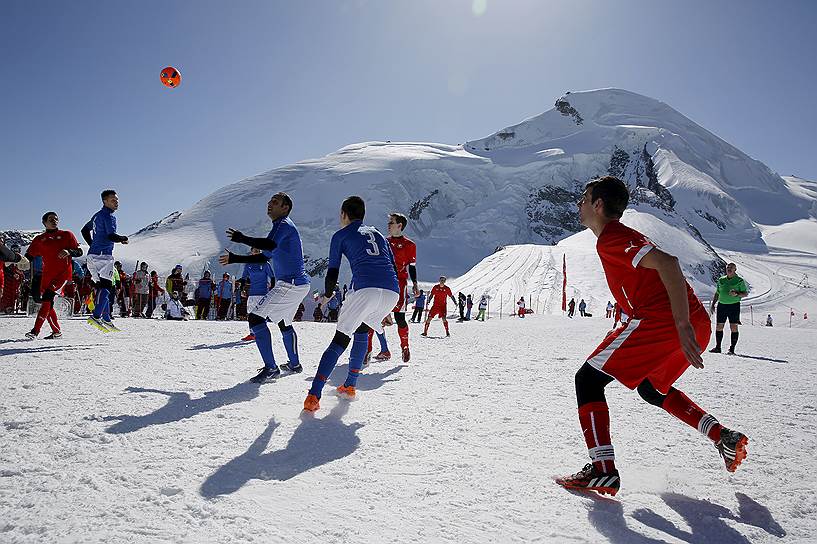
pixel 419 306
pixel 224 296
pixel 203 294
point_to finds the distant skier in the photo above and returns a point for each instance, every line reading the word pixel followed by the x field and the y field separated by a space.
pixel 141 281
pixel 668 331
pixel 730 289
pixel 582 307
pixel 374 292
pixel 469 304
pixel 283 247
pixel 204 292
pixel 224 296
pixel 520 307
pixel 10 255
pixel 609 313
pixel 769 322
pixel 461 306
pixel 100 234
pixel 175 310
pixel 571 307
pixel 56 247
pixel 437 299
pixel 483 306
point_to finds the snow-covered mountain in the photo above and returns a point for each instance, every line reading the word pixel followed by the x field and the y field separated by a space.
pixel 516 186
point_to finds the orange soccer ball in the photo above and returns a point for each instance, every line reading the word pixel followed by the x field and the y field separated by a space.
pixel 171 77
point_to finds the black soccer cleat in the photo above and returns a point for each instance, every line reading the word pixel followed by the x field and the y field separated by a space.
pixel 53 336
pixel 295 369
pixel 715 350
pixel 265 374
pixel 732 447
pixel 588 479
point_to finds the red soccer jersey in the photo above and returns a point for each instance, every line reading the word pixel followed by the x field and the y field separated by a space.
pixel 405 253
pixel 48 245
pixel 639 291
pixel 440 296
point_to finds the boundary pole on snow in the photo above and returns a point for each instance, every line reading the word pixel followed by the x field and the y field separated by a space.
pixel 500 306
pixel 751 315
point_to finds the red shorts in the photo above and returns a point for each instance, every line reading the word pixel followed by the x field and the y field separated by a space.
pixel 54 283
pixel 402 302
pixel 648 349
pixel 437 311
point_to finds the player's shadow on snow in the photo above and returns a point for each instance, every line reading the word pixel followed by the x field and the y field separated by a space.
pixel 314 443
pixel 704 518
pixel 233 344
pixel 45 349
pixel 180 406
pixel 368 380
pixel 758 358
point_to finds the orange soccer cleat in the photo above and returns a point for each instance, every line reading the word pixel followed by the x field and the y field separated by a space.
pixel 311 403
pixel 347 391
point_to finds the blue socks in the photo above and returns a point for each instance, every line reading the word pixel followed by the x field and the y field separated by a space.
pixel 328 361
pixel 291 345
pixel 384 346
pixel 263 339
pixel 102 303
pixel 360 345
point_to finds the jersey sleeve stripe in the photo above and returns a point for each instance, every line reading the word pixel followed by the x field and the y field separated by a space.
pixel 640 255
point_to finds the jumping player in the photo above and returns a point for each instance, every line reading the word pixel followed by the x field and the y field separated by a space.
pixel 100 257
pixel 374 292
pixel 283 247
pixel 56 247
pixel 438 304
pixel 667 331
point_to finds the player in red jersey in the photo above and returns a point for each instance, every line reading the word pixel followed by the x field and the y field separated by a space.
pixel 438 302
pixel 56 247
pixel 667 331
pixel 405 258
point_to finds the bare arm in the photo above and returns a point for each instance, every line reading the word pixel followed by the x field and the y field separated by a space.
pixel 673 279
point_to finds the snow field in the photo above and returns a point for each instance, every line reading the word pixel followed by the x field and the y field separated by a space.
pixel 154 435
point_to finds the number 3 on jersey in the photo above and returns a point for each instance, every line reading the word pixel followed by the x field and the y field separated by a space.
pixel 375 250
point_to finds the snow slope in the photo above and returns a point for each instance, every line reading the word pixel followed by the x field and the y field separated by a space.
pixel 154 435
pixel 517 186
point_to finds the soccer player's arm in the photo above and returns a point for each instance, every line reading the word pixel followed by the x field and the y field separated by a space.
pixel 73 249
pixel 333 270
pixel 86 231
pixel 264 244
pixel 413 271
pixel 112 235
pixel 742 290
pixel 669 270
pixel 232 258
pixel 715 298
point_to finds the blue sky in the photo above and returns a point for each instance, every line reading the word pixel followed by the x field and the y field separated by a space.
pixel 268 83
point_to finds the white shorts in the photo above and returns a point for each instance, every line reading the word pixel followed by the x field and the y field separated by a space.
pixel 369 305
pixel 253 300
pixel 280 303
pixel 100 267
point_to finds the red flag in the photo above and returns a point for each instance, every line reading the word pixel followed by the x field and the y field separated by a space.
pixel 564 282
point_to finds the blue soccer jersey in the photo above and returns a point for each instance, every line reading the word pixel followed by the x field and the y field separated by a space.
pixel 260 276
pixel 288 256
pixel 103 224
pixel 369 255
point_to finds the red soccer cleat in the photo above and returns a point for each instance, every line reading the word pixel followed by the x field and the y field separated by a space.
pixel 347 391
pixel 406 355
pixel 588 479
pixel 249 338
pixel 383 356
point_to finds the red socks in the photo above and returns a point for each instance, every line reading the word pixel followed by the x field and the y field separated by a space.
pixel 690 413
pixel 45 309
pixel 52 320
pixel 445 324
pixel 403 333
pixel 594 418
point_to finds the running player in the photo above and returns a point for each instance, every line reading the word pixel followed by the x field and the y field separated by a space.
pixel 283 246
pixel 438 303
pixel 56 247
pixel 100 234
pixel 730 289
pixel 374 292
pixel 667 331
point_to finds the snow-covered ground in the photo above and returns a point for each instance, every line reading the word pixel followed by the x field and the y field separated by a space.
pixel 154 435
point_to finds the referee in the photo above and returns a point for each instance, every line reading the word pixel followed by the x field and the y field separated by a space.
pixel 730 289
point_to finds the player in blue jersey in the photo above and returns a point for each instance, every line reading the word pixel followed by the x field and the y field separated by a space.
pixel 374 293
pixel 100 234
pixel 283 247
pixel 262 279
